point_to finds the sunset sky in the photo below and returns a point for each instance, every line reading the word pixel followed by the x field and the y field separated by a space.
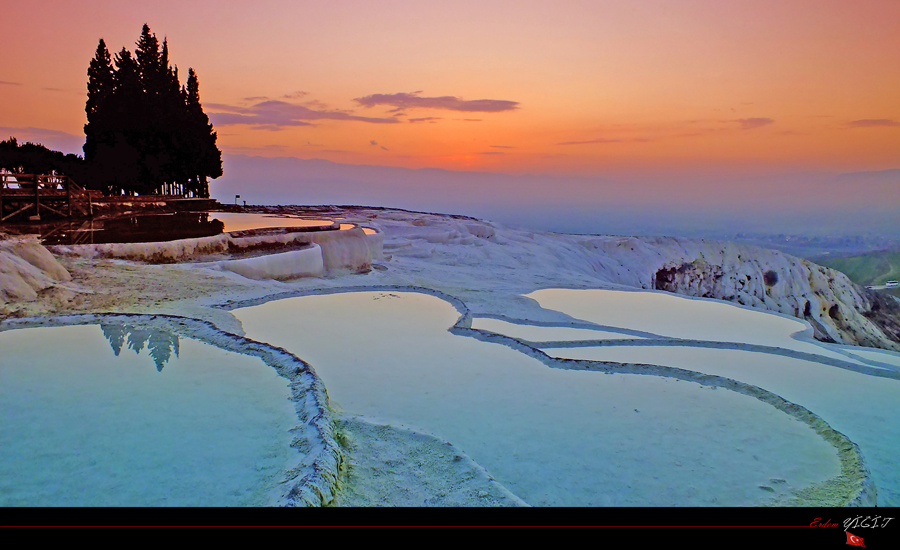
pixel 574 88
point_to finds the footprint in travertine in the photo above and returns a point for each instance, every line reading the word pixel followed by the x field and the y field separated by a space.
pixel 394 466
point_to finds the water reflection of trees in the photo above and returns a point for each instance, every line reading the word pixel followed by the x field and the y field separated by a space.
pixel 160 343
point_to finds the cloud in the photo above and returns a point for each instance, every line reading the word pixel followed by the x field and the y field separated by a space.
pixel 872 123
pixel 316 104
pixel 62 90
pixel 247 149
pixel 276 115
pixel 600 140
pixel 256 98
pixel 490 153
pixel 3 82
pixel 452 103
pixel 607 140
pixel 295 95
pixel 373 142
pixel 426 119
pixel 502 146
pixel 751 123
pixel 469 119
pixel 383 147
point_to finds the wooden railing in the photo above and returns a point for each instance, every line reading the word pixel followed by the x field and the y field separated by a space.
pixel 60 195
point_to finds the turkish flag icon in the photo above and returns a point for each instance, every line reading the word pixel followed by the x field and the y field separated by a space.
pixel 853 540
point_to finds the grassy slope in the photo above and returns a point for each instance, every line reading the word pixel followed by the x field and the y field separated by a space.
pixel 873 268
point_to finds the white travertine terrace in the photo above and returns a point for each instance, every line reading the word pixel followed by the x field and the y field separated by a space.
pixel 490 273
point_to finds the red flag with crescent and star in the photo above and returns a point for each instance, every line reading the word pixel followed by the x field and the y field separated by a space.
pixel 853 540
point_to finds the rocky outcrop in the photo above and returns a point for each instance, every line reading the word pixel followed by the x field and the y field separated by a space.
pixel 26 268
pixel 838 309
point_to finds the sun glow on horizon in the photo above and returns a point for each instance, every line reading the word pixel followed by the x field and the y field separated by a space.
pixel 508 87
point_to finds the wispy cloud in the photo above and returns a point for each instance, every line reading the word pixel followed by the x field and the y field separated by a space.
pixel 872 123
pixel 751 123
pixel 5 83
pixel 600 140
pixel 413 100
pixel 251 150
pixel 276 115
pixel 469 119
pixel 426 119
pixel 64 91
pixel 315 104
pixel 502 146
pixel 608 140
pixel 490 153
pixel 295 95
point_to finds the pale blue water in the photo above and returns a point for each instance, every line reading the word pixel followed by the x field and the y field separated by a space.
pixel 181 423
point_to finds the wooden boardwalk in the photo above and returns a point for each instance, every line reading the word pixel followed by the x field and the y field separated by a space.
pixel 26 197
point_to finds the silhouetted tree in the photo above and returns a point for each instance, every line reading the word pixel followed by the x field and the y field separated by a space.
pixel 34 158
pixel 146 133
pixel 101 80
pixel 203 138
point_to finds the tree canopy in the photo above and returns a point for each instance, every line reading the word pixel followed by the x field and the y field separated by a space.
pixel 145 132
pixel 34 158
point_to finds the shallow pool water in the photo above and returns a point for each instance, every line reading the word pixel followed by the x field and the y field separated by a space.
pixel 123 415
pixel 170 227
pixel 552 436
pixel 366 230
pixel 864 408
pixel 239 221
pixel 670 315
pixel 682 317
pixel 534 333
pixel 881 356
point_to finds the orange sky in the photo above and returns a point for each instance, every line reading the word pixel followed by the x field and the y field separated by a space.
pixel 582 88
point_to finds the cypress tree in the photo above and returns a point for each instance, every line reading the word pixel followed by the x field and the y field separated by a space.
pixel 152 143
pixel 148 58
pixel 101 81
pixel 171 111
pixel 145 132
pixel 126 128
pixel 208 162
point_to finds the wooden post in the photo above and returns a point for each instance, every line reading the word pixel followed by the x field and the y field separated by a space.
pixel 37 203
pixel 68 185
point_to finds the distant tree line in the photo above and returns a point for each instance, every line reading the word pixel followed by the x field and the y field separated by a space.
pixel 145 132
pixel 34 158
